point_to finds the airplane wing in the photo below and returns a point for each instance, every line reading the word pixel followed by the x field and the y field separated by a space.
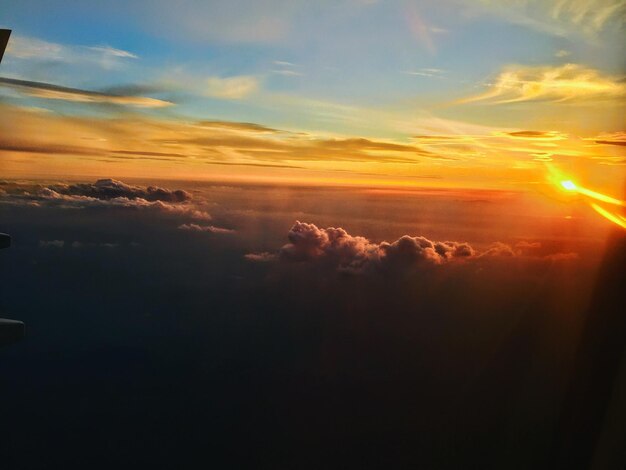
pixel 4 40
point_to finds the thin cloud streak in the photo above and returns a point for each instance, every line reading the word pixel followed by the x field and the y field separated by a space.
pixel 56 92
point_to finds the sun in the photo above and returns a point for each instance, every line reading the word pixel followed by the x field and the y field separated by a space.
pixel 569 185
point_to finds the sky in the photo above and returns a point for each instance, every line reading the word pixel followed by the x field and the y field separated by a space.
pixel 297 234
pixel 447 93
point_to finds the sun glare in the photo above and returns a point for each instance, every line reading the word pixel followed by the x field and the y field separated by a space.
pixel 569 185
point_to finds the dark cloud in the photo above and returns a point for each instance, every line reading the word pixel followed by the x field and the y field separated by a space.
pixel 13 145
pixel 262 165
pixel 111 189
pixel 239 126
pixel 56 92
pixel 149 154
pixel 531 134
pixel 611 142
pixel 104 193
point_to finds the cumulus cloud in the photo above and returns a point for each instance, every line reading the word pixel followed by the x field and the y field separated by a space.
pixel 570 82
pixel 354 254
pixel 55 92
pixel 357 254
pixel 231 88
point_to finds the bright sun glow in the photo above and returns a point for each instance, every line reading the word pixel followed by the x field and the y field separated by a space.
pixel 569 185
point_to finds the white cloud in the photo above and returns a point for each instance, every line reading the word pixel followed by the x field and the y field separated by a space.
pixel 30 48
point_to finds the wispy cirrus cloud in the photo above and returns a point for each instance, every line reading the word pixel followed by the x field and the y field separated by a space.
pixel 427 72
pixel 567 83
pixel 561 17
pixel 30 48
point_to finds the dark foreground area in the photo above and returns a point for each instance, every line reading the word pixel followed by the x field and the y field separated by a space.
pixel 153 347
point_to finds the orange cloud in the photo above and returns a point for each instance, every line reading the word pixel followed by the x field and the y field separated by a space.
pixel 566 83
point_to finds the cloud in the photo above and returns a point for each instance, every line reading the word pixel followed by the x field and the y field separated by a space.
pixel 562 17
pixel 204 228
pixel 231 88
pixel 567 83
pixel 195 142
pixel 111 189
pixel 337 249
pixel 543 135
pixel 428 72
pixel 357 254
pixel 103 194
pixel 30 48
pixel 111 51
pixel 55 92
pixel 261 257
pixel 286 68
pixel 239 126
pixel 615 138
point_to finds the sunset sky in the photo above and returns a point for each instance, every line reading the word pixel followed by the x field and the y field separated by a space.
pixel 451 93
pixel 313 234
